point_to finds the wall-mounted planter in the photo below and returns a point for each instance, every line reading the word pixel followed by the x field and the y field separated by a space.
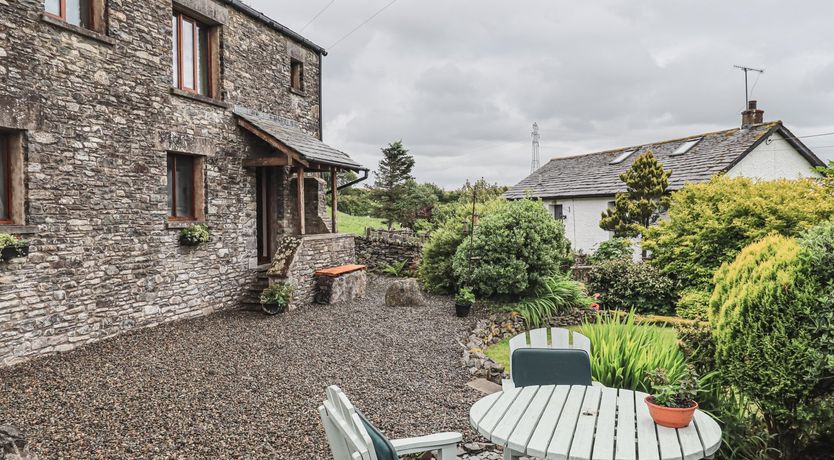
pixel 12 252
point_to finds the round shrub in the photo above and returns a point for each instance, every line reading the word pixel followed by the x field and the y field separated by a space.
pixel 512 251
pixel 710 223
pixel 615 248
pixel 624 284
pixel 818 245
pixel 773 336
pixel 693 304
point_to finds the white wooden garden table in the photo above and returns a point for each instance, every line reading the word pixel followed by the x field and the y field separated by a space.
pixel 586 422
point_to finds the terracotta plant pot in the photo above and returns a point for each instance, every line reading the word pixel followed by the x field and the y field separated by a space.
pixel 462 310
pixel 671 417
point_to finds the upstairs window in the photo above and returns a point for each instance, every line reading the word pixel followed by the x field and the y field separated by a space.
pixel 558 212
pixel 76 12
pixel 297 75
pixel 192 56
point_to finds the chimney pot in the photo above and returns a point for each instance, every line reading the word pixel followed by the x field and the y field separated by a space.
pixel 751 116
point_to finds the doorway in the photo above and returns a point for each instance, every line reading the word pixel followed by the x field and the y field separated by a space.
pixel 264 215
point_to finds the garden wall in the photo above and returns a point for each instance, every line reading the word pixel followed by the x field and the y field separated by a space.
pixel 379 248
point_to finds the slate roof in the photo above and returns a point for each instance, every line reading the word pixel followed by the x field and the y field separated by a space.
pixel 593 174
pixel 288 133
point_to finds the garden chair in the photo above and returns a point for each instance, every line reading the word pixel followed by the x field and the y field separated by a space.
pixel 574 362
pixel 352 437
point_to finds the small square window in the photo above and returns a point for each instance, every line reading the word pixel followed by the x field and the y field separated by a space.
pixel 185 187
pixel 558 212
pixel 297 75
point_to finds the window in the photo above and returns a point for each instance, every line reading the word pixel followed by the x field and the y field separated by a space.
pixel 623 156
pixel 82 13
pixel 558 212
pixel 192 55
pixel 297 75
pixel 686 146
pixel 185 187
pixel 5 180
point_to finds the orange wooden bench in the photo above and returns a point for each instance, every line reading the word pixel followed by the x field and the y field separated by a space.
pixel 341 270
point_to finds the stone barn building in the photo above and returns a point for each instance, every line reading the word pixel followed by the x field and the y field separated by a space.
pixel 122 122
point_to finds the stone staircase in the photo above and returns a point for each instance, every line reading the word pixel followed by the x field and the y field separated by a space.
pixel 251 299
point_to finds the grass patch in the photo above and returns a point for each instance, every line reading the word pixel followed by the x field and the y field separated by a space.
pixel 356 225
pixel 500 352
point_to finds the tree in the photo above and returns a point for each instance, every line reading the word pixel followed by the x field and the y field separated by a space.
pixel 643 202
pixel 393 183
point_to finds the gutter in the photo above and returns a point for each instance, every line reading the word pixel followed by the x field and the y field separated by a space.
pixel 255 14
pixel 364 177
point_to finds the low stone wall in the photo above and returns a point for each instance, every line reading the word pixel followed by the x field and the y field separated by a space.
pixel 380 248
pixel 342 288
pixel 312 253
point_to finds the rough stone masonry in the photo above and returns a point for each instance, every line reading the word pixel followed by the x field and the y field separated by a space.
pixel 97 116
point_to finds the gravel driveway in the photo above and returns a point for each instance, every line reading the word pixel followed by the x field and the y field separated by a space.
pixel 240 384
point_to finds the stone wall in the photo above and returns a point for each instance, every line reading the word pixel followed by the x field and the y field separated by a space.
pixel 97 116
pixel 379 249
pixel 315 253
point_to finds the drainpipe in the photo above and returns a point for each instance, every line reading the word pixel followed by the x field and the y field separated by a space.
pixel 364 176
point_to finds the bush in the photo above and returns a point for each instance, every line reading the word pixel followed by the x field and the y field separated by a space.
pixel 556 295
pixel 818 245
pixel 627 285
pixel 693 304
pixel 615 248
pixel 194 234
pixel 773 332
pixel 696 343
pixel 435 269
pixel 623 352
pixel 513 250
pixel 710 223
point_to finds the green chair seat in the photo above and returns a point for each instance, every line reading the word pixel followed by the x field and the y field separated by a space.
pixel 549 366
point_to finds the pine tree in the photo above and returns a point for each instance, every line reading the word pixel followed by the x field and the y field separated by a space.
pixel 393 184
pixel 643 202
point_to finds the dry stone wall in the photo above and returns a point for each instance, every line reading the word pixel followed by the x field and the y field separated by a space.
pixel 380 248
pixel 97 117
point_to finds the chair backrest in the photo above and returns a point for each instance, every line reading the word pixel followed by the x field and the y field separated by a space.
pixel 348 438
pixel 560 338
pixel 550 366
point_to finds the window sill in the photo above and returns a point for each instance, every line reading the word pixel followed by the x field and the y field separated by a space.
pixel 180 224
pixel 298 92
pixel 18 229
pixel 91 34
pixel 199 98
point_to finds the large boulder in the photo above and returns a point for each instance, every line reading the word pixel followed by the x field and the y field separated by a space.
pixel 404 293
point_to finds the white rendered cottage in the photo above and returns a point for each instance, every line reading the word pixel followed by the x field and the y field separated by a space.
pixel 579 188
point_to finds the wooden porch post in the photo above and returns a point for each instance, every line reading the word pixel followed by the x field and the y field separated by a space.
pixel 300 187
pixel 334 200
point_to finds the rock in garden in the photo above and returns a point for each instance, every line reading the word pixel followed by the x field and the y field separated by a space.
pixel 11 441
pixel 404 293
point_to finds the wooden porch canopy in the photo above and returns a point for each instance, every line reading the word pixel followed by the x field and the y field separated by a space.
pixel 298 150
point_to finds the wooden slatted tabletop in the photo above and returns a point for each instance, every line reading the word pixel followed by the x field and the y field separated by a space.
pixel 587 423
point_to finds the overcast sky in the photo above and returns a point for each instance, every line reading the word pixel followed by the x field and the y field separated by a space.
pixel 462 81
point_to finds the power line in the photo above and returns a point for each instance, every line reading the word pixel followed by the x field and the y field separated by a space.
pixel 321 11
pixel 362 24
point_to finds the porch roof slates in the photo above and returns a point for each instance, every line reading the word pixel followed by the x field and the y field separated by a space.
pixel 308 147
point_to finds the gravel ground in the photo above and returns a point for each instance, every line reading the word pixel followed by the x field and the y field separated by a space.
pixel 244 385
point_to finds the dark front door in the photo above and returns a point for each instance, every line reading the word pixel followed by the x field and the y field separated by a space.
pixel 264 187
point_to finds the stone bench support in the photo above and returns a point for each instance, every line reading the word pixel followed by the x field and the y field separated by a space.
pixel 334 288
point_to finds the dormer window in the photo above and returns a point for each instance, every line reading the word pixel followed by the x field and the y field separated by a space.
pixel 623 156
pixel 686 146
pixel 297 75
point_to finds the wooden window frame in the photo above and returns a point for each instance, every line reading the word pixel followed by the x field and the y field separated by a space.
pixel 96 11
pixel 197 192
pixel 5 138
pixel 213 57
pixel 15 187
pixel 300 64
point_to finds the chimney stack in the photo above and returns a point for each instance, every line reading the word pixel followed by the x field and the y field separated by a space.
pixel 751 116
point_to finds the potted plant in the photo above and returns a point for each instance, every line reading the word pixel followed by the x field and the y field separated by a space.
pixel 276 298
pixel 463 302
pixel 194 235
pixel 12 246
pixel 673 403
